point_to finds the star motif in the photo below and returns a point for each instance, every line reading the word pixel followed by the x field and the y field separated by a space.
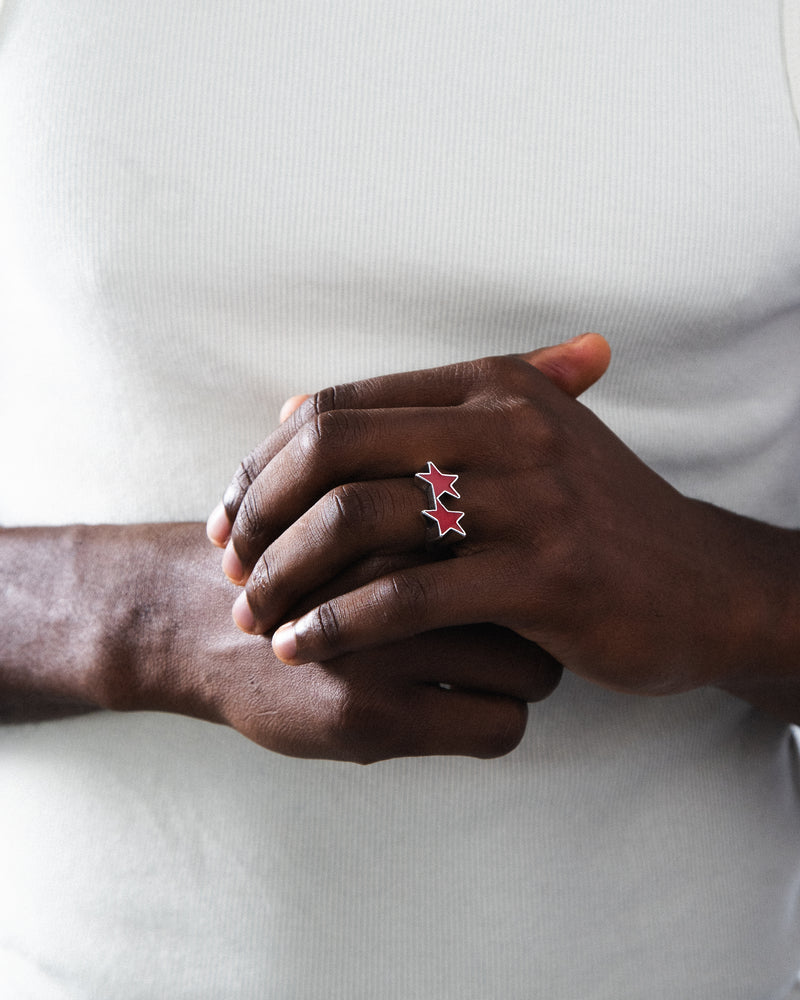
pixel 440 482
pixel 446 520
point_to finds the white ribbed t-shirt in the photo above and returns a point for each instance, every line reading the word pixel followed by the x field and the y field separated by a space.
pixel 205 208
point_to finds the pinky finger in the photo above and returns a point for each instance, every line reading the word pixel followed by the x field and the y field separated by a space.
pixel 468 724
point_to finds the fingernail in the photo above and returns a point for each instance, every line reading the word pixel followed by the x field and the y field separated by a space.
pixel 242 614
pixel 218 527
pixel 232 565
pixel 284 642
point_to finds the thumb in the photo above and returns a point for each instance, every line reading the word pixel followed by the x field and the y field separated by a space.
pixel 574 365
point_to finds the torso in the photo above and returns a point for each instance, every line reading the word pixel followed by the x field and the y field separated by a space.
pixel 206 208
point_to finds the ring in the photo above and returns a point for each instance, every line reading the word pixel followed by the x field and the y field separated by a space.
pixel 438 483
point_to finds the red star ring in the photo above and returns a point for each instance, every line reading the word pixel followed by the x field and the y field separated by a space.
pixel 437 484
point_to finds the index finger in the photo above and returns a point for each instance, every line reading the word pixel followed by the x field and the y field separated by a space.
pixel 572 366
pixel 445 386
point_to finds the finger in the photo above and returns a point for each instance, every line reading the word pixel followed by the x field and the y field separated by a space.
pixel 350 523
pixel 218 526
pixel 353 434
pixel 366 707
pixel 344 526
pixel 346 446
pixel 340 447
pixel 372 722
pixel 390 701
pixel 460 723
pixel 393 607
pixel 575 365
pixel 484 659
pixel 291 404
pixel 445 386
pixel 383 703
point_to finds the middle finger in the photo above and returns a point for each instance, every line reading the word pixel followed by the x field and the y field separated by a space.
pixel 340 447
pixel 344 526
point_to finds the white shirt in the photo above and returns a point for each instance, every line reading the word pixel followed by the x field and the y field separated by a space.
pixel 205 208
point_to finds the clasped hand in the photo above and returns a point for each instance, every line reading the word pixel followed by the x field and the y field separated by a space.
pixel 572 542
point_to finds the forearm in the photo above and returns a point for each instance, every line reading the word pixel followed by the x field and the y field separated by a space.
pixel 138 618
pixel 90 618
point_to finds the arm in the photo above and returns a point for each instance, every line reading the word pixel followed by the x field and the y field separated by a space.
pixel 137 617
pixel 86 623
pixel 572 541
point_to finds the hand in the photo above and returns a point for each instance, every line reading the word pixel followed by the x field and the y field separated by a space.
pixel 140 620
pixel 571 540
pixel 573 366
pixel 382 703
pixel 460 691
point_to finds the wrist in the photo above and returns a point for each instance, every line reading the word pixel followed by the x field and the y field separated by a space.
pixel 47 644
pixel 175 607
pixel 108 616
pixel 761 616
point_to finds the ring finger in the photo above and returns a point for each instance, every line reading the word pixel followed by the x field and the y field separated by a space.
pixel 347 524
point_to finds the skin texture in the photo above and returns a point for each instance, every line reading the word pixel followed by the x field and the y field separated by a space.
pixel 572 542
pixel 137 617
pixel 146 640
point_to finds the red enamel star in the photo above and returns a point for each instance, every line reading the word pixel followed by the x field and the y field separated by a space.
pixel 440 482
pixel 446 520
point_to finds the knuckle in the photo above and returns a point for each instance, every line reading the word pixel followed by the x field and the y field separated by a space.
pixel 329 433
pixel 261 587
pixel 308 438
pixel 408 595
pixel 249 520
pixel 352 507
pixel 490 368
pixel 496 370
pixel 349 395
pixel 479 377
pixel 543 435
pixel 567 561
pixel 501 383
pixel 243 479
pixel 361 725
pixel 323 401
pixel 551 435
pixel 327 624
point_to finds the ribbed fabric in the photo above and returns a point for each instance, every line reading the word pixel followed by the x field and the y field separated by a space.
pixel 205 208
pixel 791 37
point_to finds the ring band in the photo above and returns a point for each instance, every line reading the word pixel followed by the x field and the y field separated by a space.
pixel 438 483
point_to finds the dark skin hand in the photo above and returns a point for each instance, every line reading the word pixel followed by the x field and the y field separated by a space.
pixel 571 540
pixel 137 617
pixel 134 636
